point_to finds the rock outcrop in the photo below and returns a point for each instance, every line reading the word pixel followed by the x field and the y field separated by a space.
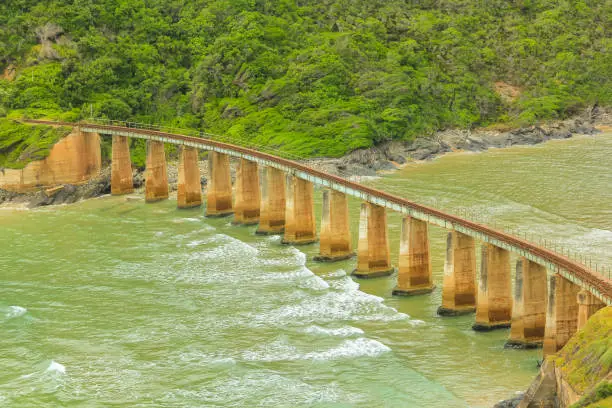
pixel 579 375
pixel 389 155
pixel 74 159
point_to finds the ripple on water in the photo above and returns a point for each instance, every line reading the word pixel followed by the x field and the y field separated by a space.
pixel 262 386
pixel 345 303
pixel 280 350
pixel 13 312
pixel 56 367
pixel 346 331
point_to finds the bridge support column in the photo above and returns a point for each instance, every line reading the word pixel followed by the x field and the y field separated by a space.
pixel 272 216
pixel 189 192
pixel 494 304
pixel 414 272
pixel 373 257
pixel 300 226
pixel 459 286
pixel 92 162
pixel 246 207
pixel 587 306
pixel 121 167
pixel 156 183
pixel 561 314
pixel 219 191
pixel 335 239
pixel 529 311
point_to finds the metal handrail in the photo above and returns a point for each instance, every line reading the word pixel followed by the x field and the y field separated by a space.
pixel 591 279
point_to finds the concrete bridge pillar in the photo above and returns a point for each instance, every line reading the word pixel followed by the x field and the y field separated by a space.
pixel 414 272
pixel 459 286
pixel 529 311
pixel 246 207
pixel 219 191
pixel 335 239
pixel 156 183
pixel 92 157
pixel 561 313
pixel 121 167
pixel 587 306
pixel 373 257
pixel 299 215
pixel 189 192
pixel 272 215
pixel 494 304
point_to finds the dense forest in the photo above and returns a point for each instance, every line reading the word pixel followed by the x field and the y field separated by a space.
pixel 314 77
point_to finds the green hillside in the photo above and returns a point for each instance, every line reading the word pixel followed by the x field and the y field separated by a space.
pixel 311 77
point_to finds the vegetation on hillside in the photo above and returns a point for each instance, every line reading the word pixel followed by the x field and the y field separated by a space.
pixel 314 77
pixel 21 144
pixel 586 360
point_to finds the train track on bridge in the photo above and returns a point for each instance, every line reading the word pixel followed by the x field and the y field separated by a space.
pixel 598 285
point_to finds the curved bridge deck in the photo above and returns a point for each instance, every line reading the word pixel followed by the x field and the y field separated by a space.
pixel 598 285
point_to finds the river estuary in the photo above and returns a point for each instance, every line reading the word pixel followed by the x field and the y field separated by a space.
pixel 114 302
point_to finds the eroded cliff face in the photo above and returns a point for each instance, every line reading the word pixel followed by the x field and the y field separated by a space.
pixel 73 160
pixel 580 373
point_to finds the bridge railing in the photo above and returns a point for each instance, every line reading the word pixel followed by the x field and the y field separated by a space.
pixel 470 216
pixel 583 259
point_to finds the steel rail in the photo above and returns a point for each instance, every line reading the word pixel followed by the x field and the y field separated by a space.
pixel 597 284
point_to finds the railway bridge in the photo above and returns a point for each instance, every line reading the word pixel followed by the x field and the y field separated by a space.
pixel 552 296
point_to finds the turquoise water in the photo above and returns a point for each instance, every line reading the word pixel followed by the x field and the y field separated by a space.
pixel 116 302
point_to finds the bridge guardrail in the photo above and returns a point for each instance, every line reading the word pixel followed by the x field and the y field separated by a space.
pixel 599 285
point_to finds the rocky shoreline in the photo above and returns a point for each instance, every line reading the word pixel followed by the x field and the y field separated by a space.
pixel 392 155
pixel 387 156
pixel 96 187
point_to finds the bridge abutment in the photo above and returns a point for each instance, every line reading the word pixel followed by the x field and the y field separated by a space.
pixel 189 190
pixel 335 236
pixel 414 269
pixel 587 306
pixel 219 188
pixel 156 183
pixel 373 256
pixel 246 206
pixel 529 311
pixel 561 313
pixel 459 285
pixel 121 167
pixel 300 228
pixel 494 302
pixel 273 202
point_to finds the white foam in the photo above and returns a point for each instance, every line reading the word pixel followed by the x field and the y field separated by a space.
pixel 335 274
pixel 314 283
pixel 227 248
pixel 288 276
pixel 56 367
pixel 329 307
pixel 299 255
pixel 345 284
pixel 346 331
pixel 188 219
pixel 280 351
pixel 203 229
pixel 416 322
pixel 361 347
pixel 15 311
pixel 159 233
pixel 197 242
